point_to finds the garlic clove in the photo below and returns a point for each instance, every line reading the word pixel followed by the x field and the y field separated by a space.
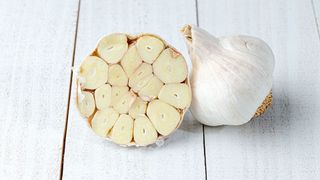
pixel 231 76
pixel 121 132
pixel 131 60
pixel 164 117
pixel 117 77
pixel 86 104
pixel 102 96
pixel 177 95
pixel 170 67
pixel 113 47
pixel 144 132
pixel 149 48
pixel 93 73
pixel 151 90
pixel 103 120
pixel 140 77
pixel 125 102
pixel 138 108
pixel 117 92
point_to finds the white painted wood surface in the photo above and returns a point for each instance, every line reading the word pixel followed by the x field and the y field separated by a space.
pixel 284 142
pixel 88 156
pixel 36 43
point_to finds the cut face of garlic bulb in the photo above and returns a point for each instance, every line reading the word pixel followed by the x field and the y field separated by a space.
pixel 133 89
pixel 231 77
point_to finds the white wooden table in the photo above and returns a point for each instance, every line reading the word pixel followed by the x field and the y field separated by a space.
pixel 42 135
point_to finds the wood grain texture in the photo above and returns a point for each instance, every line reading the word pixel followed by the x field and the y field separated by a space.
pixel 36 42
pixel 284 142
pixel 88 156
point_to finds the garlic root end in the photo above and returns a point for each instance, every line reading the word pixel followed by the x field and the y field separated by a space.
pixel 264 106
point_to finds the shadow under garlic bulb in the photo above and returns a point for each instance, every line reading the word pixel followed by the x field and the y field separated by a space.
pixel 231 77
pixel 133 90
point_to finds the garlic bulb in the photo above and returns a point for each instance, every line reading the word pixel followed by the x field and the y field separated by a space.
pixel 133 90
pixel 231 78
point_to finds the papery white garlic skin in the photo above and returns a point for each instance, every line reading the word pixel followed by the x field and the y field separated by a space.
pixel 231 76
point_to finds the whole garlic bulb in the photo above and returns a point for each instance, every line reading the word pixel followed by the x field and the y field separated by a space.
pixel 231 77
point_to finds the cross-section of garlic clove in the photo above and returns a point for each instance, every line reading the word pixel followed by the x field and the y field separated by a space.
pixel 103 120
pixel 140 77
pixel 177 95
pixel 151 89
pixel 93 72
pixel 149 48
pixel 143 132
pixel 131 60
pixel 86 104
pixel 102 96
pixel 231 76
pixel 117 77
pixel 170 67
pixel 122 130
pixel 138 108
pixel 117 92
pixel 111 48
pixel 125 102
pixel 164 117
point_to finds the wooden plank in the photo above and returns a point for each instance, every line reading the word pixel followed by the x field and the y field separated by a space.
pixel 284 142
pixel 36 43
pixel 89 157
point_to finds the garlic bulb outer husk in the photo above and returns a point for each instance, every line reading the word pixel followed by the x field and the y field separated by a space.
pixel 231 76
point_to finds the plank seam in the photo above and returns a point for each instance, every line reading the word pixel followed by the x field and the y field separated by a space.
pixel 204 151
pixel 197 12
pixel 69 94
pixel 203 128
pixel 315 18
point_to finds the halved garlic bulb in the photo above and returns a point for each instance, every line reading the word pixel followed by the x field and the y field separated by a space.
pixel 133 89
pixel 231 77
